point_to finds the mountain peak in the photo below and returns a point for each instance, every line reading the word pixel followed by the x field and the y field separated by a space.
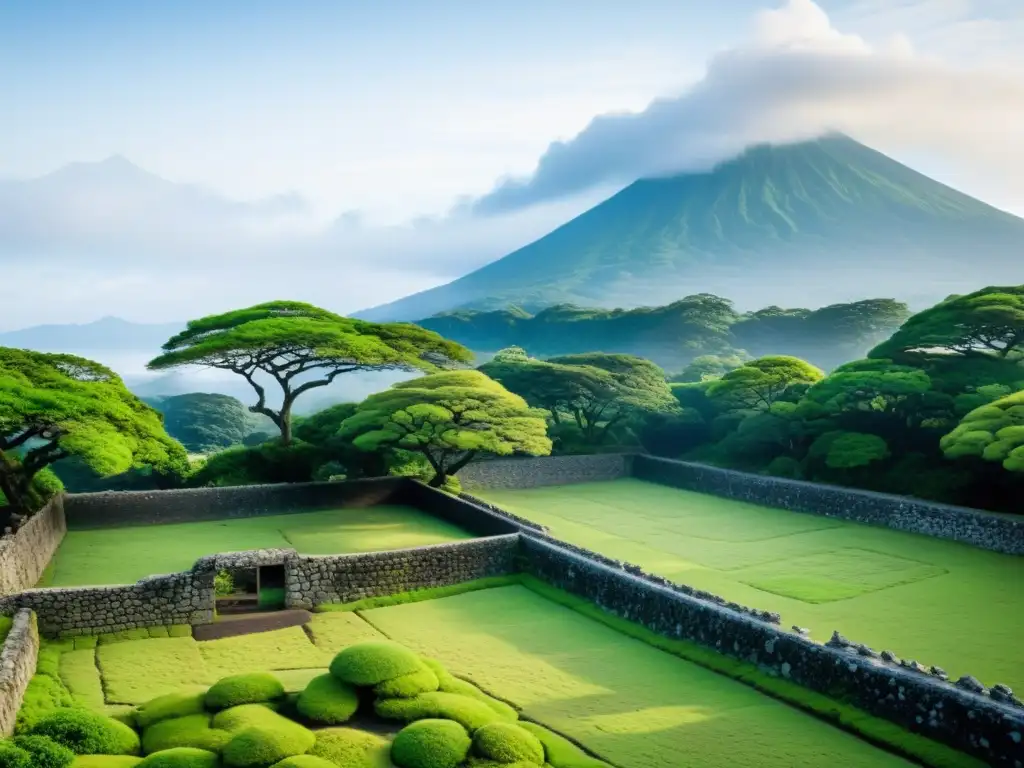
pixel 828 219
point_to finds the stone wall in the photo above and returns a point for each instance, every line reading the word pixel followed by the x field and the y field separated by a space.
pixel 118 508
pixel 548 470
pixel 312 581
pixel 988 724
pixel 987 530
pixel 24 555
pixel 466 512
pixel 17 665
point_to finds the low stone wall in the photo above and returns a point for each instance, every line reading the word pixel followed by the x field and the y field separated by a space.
pixel 464 511
pixel 312 581
pixel 985 723
pixel 986 530
pixel 17 665
pixel 549 470
pixel 24 555
pixel 119 508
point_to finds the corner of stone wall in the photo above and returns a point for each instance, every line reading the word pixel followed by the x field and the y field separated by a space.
pixel 17 665
pixel 25 554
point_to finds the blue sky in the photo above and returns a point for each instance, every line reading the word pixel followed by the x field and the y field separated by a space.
pixel 398 110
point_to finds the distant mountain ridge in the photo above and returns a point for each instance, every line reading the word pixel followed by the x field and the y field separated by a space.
pixel 829 219
pixel 107 333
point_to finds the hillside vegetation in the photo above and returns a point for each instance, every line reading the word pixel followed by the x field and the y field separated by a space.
pixel 674 335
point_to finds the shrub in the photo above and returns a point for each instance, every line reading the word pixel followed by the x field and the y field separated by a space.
pixel 267 744
pixel 12 756
pixel 106 761
pixel 305 761
pixel 327 700
pixel 559 751
pixel 469 713
pixel 190 731
pixel 88 733
pixel 351 748
pixel 170 706
pixel 374 662
pixel 45 752
pixel 252 688
pixel 430 744
pixel 406 686
pixel 507 743
pixel 181 757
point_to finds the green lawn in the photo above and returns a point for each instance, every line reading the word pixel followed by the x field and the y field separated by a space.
pixel 125 555
pixel 936 601
pixel 633 705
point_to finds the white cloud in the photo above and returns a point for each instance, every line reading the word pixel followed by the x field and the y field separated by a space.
pixel 796 76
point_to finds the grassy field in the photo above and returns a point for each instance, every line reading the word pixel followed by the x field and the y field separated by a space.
pixel 632 704
pixel 124 555
pixel 937 601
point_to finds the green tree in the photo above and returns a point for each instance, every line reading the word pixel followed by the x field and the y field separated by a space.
pixel 300 347
pixel 451 418
pixel 707 368
pixel 598 391
pixel 993 432
pixel 989 321
pixel 849 450
pixel 204 422
pixel 56 406
pixel 759 383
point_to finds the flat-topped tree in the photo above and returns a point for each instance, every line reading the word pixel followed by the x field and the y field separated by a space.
pixel 302 347
pixel 451 418
pixel 986 322
pixel 55 406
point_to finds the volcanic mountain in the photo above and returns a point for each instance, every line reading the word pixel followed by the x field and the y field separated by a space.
pixel 805 224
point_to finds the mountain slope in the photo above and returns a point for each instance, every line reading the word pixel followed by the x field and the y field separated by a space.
pixel 829 216
pixel 108 333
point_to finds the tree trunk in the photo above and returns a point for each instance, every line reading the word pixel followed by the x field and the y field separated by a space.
pixel 286 423
pixel 438 479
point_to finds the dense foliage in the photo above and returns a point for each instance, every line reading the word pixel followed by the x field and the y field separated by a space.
pixel 676 335
pixel 949 391
pixel 300 347
pixel 205 422
pixel 450 418
pixel 595 393
pixel 57 406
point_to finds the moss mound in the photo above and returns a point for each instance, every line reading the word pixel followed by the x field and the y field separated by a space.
pixel 190 731
pixel 507 743
pixel 406 686
pixel 469 713
pixel 430 744
pixel 448 683
pixel 267 744
pixel 171 705
pixel 351 748
pixel 327 700
pixel 238 719
pixel 45 752
pixel 252 688
pixel 106 761
pixel 559 751
pixel 87 733
pixel 44 695
pixel 305 761
pixel 14 757
pixel 484 762
pixel 374 662
pixel 181 757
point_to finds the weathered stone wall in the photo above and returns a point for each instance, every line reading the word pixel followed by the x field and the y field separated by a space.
pixel 987 530
pixel 118 508
pixel 17 665
pixel 548 470
pixel 312 581
pixel 24 555
pixel 988 724
pixel 177 598
pixel 476 518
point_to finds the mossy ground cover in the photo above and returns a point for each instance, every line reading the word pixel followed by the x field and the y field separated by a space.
pixel 940 602
pixel 631 704
pixel 125 555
